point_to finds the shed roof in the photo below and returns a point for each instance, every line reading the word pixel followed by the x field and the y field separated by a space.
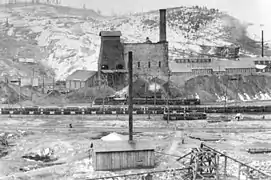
pixel 80 75
pixel 215 65
pixel 120 146
pixel 110 33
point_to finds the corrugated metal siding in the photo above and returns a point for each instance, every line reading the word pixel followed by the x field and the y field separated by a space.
pixel 75 84
pixel 107 161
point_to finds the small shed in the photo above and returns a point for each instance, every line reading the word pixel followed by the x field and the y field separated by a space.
pixel 81 79
pixel 120 155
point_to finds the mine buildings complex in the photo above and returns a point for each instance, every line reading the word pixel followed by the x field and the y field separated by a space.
pixel 151 60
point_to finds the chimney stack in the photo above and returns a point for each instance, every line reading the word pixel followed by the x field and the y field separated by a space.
pixel 163 26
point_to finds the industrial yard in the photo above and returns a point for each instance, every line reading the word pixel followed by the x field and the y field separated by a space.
pixel 61 152
pixel 62 105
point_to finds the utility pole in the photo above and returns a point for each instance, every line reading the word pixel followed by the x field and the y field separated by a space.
pixel 130 71
pixel 43 83
pixel 32 81
pixel 19 91
pixel 53 83
pixel 262 45
pixel 155 92
pixel 225 103
pixel 168 96
pixel 237 90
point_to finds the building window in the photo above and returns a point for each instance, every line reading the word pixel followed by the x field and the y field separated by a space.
pixel 105 67
pixel 159 64
pixel 138 64
pixel 149 64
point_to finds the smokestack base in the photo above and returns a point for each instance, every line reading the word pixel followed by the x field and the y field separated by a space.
pixel 163 26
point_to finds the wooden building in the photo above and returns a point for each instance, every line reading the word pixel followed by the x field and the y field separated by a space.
pixel 80 79
pixel 120 155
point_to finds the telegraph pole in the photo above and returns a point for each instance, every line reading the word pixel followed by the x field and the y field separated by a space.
pixel 43 83
pixel 168 97
pixel 155 92
pixel 262 45
pixel 32 84
pixel 53 83
pixel 130 70
pixel 19 91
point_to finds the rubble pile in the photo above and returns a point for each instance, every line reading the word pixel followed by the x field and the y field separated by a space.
pixel 44 155
pixel 18 134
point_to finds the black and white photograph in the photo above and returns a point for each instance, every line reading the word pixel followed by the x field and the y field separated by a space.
pixel 135 90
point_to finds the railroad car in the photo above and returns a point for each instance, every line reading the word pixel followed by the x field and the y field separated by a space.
pixel 51 110
pixel 72 110
pixel 30 110
pixel 10 111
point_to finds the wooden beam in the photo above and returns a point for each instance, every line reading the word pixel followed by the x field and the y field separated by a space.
pixel 225 168
pixel 243 164
pixel 217 167
pixel 239 171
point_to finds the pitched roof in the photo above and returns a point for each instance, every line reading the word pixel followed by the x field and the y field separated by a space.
pixel 120 146
pixel 110 33
pixel 81 75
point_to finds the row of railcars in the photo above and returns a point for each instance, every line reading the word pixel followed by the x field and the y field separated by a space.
pixel 145 101
pixel 137 110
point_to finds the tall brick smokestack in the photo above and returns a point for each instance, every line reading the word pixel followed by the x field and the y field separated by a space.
pixel 163 25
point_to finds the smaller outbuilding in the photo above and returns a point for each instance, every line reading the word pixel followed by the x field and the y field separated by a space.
pixel 81 79
pixel 121 155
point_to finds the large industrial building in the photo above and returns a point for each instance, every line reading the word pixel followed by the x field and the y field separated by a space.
pixel 149 59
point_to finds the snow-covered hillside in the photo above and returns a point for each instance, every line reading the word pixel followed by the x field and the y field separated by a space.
pixel 69 41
